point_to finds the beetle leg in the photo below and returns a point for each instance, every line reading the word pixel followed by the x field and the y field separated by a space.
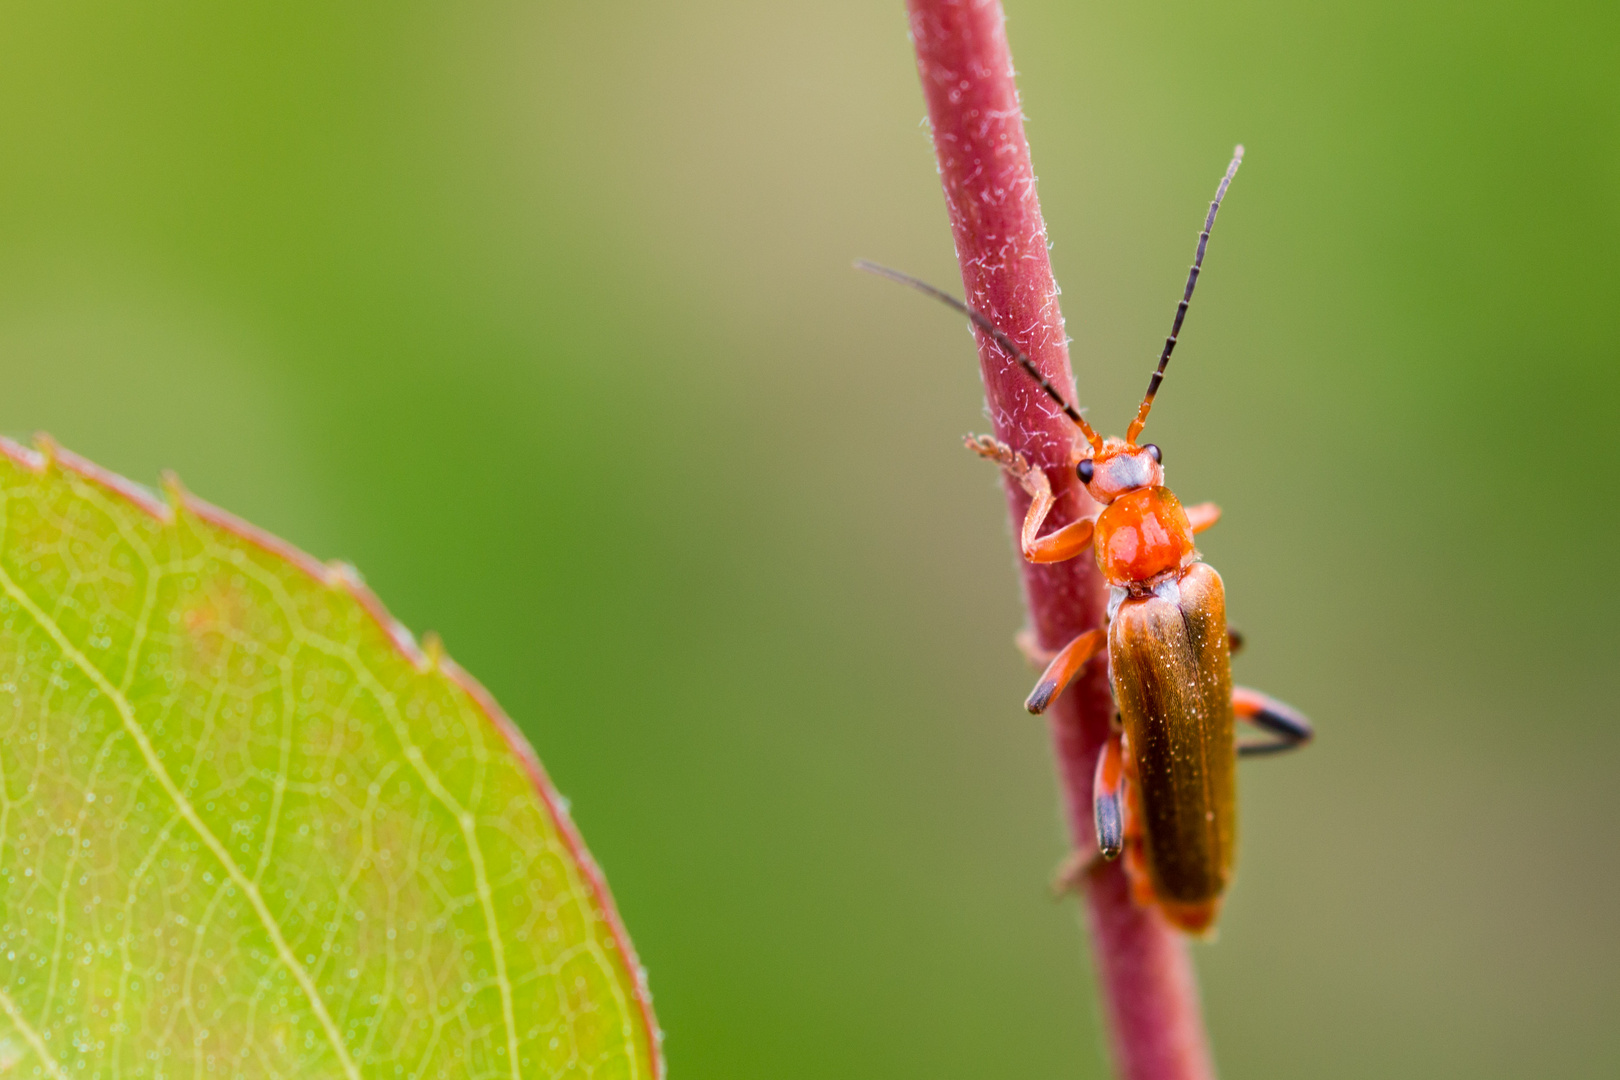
pixel 1059 545
pixel 1137 873
pixel 1234 641
pixel 1107 794
pixel 1117 829
pixel 1072 871
pixel 1064 667
pixel 1108 806
pixel 1285 726
pixel 1203 516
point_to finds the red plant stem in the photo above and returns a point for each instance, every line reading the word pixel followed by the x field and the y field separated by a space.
pixel 1150 997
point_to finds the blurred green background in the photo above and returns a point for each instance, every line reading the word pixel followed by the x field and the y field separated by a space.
pixel 542 315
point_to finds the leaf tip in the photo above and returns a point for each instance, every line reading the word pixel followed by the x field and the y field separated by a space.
pixel 47 449
pixel 432 650
pixel 174 492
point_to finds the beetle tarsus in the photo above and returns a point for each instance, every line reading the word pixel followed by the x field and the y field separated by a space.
pixel 1286 727
pixel 1041 696
pixel 1031 479
pixel 1108 796
pixel 1110 825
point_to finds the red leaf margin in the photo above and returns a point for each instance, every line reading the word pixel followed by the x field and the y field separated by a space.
pixel 342 575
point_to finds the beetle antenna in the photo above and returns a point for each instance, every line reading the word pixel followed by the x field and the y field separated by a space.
pixel 1186 298
pixel 983 322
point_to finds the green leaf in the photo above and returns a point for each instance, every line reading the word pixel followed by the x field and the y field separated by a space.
pixel 249 829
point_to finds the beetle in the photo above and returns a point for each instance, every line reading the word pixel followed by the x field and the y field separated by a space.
pixel 1164 794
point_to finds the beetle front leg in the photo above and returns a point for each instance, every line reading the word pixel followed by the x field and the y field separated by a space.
pixel 1060 545
pixel 1202 516
pixel 1287 727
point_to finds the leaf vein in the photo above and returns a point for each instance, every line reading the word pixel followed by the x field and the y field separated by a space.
pixel 189 813
pixel 31 1036
pixel 465 820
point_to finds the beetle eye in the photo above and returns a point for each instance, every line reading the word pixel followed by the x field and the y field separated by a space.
pixel 1085 470
pixel 1154 450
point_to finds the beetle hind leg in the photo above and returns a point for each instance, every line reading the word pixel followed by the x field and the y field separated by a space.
pixel 1137 872
pixel 1108 797
pixel 1285 727
pixel 1108 807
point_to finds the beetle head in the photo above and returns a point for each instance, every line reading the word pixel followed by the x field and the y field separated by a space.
pixel 1120 467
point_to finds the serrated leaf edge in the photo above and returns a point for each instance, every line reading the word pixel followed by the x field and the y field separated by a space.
pixel 47 454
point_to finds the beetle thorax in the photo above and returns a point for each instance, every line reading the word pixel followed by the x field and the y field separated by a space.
pixel 1141 536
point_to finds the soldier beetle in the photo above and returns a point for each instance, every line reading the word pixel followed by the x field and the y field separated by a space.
pixel 1165 789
